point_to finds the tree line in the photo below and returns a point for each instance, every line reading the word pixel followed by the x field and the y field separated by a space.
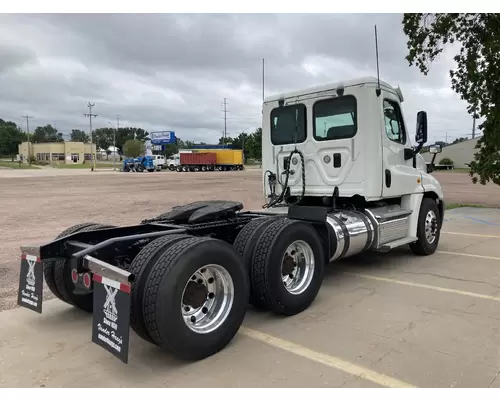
pixel 475 78
pixel 129 140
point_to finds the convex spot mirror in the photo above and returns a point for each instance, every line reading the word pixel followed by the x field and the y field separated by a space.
pixel 421 133
pixel 435 149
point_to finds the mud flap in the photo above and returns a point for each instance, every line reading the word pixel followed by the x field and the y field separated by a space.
pixel 111 312
pixel 30 294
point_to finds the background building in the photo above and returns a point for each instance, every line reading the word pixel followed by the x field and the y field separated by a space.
pixel 461 153
pixel 61 152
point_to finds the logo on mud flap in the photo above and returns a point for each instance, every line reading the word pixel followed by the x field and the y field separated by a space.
pixel 30 276
pixel 110 310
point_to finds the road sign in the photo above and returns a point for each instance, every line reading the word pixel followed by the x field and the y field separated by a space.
pixel 162 137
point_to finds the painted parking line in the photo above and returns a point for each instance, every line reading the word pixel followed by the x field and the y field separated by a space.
pixel 453 253
pixel 325 359
pixel 423 286
pixel 471 234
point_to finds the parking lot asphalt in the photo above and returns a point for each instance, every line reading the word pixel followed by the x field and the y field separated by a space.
pixel 380 320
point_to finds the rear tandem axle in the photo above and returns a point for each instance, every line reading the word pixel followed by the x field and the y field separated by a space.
pixel 182 280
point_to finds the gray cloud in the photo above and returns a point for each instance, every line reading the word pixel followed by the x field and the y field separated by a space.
pixel 166 71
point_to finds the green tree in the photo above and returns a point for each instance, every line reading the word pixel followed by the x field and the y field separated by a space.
pixel 460 140
pixel 229 140
pixel 446 161
pixel 46 133
pixel 103 138
pixel 476 78
pixel 10 138
pixel 170 150
pixel 254 144
pixel 133 148
pixel 78 135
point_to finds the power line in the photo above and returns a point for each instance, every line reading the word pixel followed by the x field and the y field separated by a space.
pixel 90 115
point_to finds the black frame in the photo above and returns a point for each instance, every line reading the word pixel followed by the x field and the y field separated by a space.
pixel 111 244
pixel 332 100
pixel 302 108
pixel 397 108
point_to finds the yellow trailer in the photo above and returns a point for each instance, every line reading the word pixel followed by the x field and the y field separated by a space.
pixel 227 159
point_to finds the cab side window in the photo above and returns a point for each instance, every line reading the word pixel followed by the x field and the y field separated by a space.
pixel 394 125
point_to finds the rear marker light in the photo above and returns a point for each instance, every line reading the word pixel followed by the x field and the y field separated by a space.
pixel 86 280
pixel 74 276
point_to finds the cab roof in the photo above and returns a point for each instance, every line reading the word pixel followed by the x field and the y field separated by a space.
pixel 370 80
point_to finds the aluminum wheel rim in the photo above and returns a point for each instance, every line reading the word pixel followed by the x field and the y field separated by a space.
pixel 217 299
pixel 430 227
pixel 297 267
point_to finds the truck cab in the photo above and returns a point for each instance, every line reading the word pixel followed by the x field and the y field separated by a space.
pixel 347 146
pixel 350 137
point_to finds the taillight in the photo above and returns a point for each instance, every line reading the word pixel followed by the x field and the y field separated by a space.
pixel 86 280
pixel 74 276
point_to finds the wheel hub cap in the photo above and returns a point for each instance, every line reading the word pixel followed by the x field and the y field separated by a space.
pixel 297 267
pixel 207 298
pixel 431 225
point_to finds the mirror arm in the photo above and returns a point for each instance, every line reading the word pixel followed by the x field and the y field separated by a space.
pixel 431 166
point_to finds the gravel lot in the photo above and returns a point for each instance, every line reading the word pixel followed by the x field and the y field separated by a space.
pixel 36 205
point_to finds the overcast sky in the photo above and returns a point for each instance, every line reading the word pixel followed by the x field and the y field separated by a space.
pixel 171 72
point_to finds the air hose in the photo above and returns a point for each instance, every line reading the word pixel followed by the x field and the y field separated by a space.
pixel 278 200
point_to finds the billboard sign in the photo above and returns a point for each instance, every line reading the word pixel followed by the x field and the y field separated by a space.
pixel 162 137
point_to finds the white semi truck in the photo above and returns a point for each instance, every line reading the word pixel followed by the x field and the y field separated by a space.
pixel 341 175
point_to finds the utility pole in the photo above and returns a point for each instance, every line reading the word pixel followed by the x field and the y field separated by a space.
pixel 90 115
pixel 114 141
pixel 225 122
pixel 28 135
pixel 473 126
pixel 262 80
pixel 224 110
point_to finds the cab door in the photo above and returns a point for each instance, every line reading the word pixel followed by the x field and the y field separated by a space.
pixel 399 175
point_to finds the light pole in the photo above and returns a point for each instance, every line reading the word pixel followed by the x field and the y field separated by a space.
pixel 114 146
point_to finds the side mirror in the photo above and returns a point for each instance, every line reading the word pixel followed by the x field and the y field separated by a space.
pixel 421 134
pixel 435 149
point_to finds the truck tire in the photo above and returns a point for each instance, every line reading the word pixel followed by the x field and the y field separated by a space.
pixel 200 321
pixel 140 168
pixel 277 265
pixel 428 229
pixel 65 285
pixel 49 266
pixel 140 267
pixel 245 243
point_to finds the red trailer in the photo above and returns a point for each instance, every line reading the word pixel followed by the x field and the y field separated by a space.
pixel 197 161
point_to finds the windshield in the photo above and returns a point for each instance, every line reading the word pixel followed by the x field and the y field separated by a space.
pixel 284 122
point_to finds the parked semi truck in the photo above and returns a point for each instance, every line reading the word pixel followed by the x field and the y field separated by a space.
pixel 341 176
pixel 141 164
